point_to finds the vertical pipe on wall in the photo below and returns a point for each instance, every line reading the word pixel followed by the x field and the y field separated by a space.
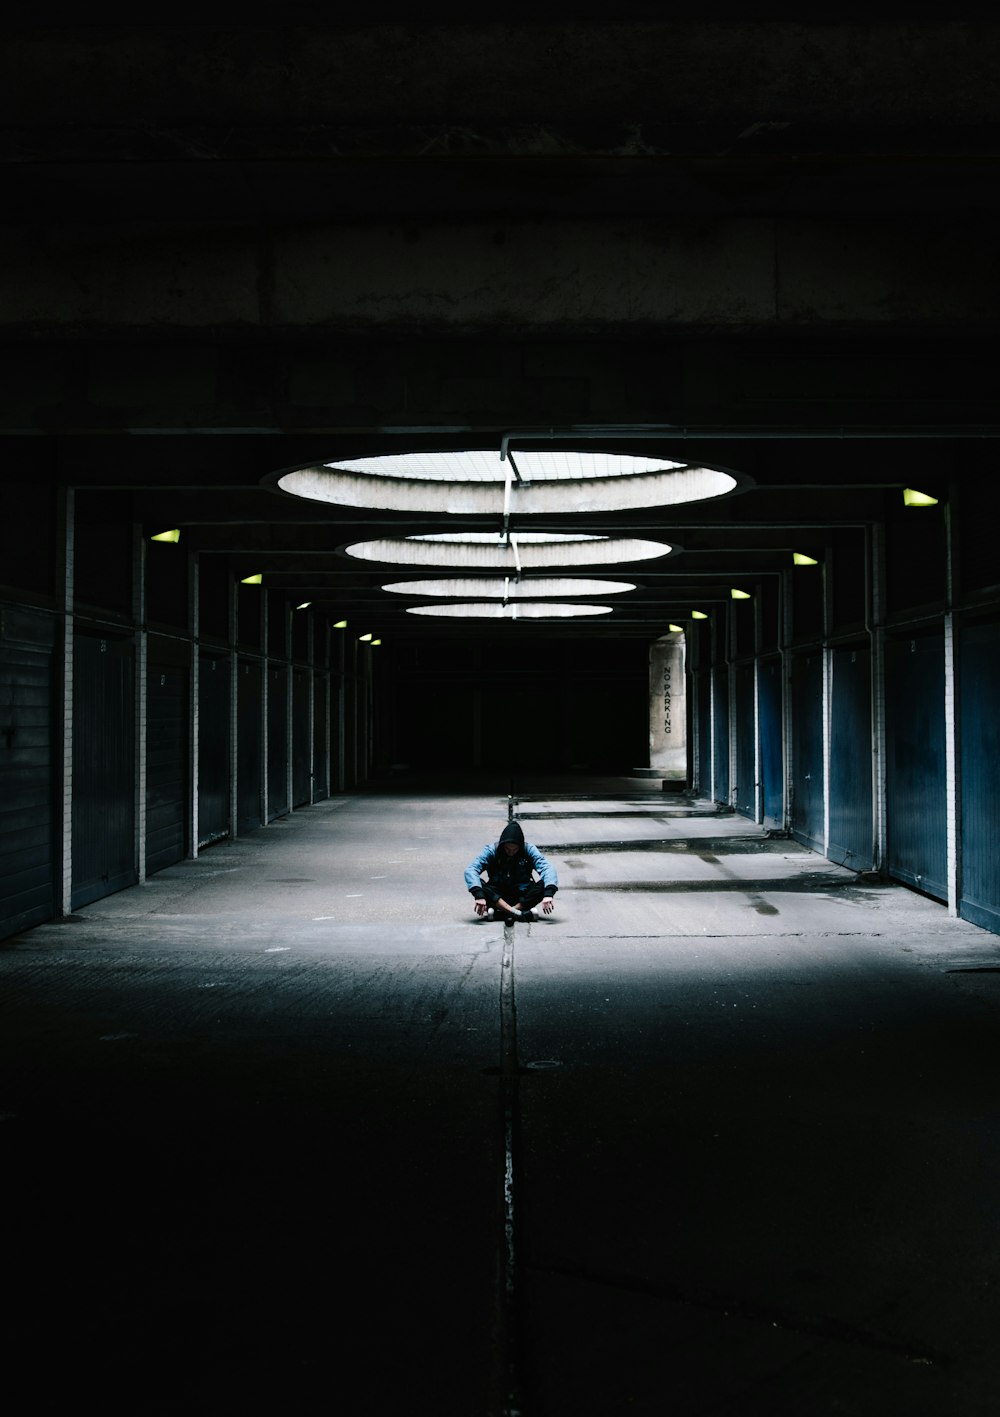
pixel 952 728
pixel 139 708
pixel 712 702
pixel 327 705
pixel 311 684
pixel 341 711
pixel 758 770
pixel 194 676
pixel 289 709
pixel 732 713
pixel 787 717
pixel 65 561
pixel 265 689
pixel 826 591
pixel 875 616
pixel 234 723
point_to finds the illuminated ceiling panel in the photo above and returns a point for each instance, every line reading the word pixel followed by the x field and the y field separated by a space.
pixel 526 610
pixel 478 482
pixel 507 588
pixel 485 551
pixel 486 465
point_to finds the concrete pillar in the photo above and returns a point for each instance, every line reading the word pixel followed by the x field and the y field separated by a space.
pixel 668 708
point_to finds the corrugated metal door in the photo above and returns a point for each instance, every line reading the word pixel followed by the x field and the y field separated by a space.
pixel 249 746
pixel 300 738
pixel 166 766
pixel 277 742
pixel 213 748
pixel 103 816
pixel 27 834
pixel 746 785
pixel 807 750
pixel 771 764
pixel 721 736
pixel 321 695
pixel 979 684
pixel 852 834
pixel 916 823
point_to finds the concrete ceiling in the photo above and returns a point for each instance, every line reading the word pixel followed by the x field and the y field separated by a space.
pixel 767 246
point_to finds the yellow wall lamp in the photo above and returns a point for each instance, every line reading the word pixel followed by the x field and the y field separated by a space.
pixel 913 498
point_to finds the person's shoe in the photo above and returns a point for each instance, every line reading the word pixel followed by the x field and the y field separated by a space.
pixel 528 916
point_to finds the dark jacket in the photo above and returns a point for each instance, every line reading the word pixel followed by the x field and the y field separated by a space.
pixel 513 872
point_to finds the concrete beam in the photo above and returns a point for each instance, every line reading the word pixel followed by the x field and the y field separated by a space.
pixel 552 278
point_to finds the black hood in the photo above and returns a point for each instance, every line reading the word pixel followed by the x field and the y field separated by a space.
pixel 512 832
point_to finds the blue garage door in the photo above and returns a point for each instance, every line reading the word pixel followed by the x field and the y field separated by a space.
pixel 771 763
pixel 166 765
pixel 721 734
pixel 213 748
pixel 103 812
pixel 27 828
pixel 852 833
pixel 807 750
pixel 979 688
pixel 746 733
pixel 916 829
pixel 249 745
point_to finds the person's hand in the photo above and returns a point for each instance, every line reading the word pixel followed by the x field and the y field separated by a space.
pixel 548 904
pixel 480 906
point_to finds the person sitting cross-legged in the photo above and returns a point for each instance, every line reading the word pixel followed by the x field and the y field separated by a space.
pixel 509 867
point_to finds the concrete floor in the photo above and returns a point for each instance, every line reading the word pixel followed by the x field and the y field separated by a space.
pixel 253 1117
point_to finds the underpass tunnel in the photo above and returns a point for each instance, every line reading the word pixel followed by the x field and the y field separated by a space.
pixel 174 686
pixel 412 425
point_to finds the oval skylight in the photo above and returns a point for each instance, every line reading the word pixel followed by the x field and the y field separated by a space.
pixel 507 588
pixel 520 610
pixel 486 465
pixel 478 482
pixel 485 551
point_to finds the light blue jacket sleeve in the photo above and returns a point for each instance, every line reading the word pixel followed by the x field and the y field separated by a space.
pixel 475 868
pixel 544 868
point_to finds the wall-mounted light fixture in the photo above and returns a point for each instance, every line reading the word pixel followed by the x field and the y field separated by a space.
pixel 676 629
pixel 799 558
pixel 174 535
pixel 365 639
pixel 340 624
pixel 913 498
pixel 258 579
pixel 375 642
pixel 698 615
pixel 304 606
pixel 739 594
